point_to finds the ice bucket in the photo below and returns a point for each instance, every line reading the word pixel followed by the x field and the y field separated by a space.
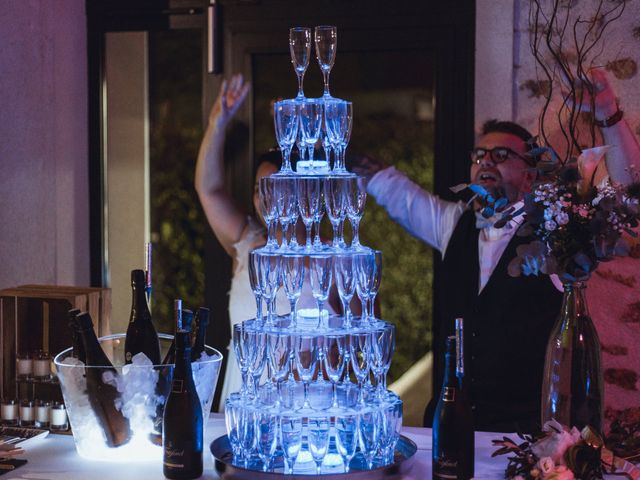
pixel 141 398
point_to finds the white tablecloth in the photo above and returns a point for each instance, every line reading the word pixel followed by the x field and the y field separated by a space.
pixel 55 458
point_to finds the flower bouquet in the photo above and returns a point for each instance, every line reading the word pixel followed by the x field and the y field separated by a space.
pixel 560 453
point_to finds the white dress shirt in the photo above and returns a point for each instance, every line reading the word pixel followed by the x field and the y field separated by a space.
pixel 432 220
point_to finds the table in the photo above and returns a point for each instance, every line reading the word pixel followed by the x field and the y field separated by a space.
pixel 55 458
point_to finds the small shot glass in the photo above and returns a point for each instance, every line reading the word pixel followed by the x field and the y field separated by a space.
pixel 24 366
pixel 9 411
pixel 27 413
pixel 43 413
pixel 58 418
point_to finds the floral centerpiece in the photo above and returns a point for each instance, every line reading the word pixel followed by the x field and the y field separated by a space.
pixel 559 453
pixel 574 223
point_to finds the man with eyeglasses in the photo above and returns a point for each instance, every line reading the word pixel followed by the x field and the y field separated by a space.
pixel 507 320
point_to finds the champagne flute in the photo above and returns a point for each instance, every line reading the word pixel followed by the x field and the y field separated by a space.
pixel 286 206
pixel 292 280
pixel 286 119
pixel 360 353
pixel 232 413
pixel 318 439
pixel 267 426
pixel 248 437
pixel 258 359
pixel 306 357
pixel 311 113
pixel 300 49
pixel 356 199
pixel 254 280
pixel 317 219
pixel 291 433
pixel 244 350
pixel 268 209
pixel 382 347
pixel 334 349
pixel 369 435
pixel 308 204
pixel 269 282
pixel 347 435
pixel 326 40
pixel 338 116
pixel 320 273
pixel 278 351
pixel 335 205
pixel 346 282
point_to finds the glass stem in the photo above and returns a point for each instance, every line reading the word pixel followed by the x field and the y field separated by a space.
pixel 259 307
pixel 355 223
pixel 308 243
pixel 336 234
pixel 286 163
pixel 325 75
pixel 285 232
pixel 271 233
pixel 346 312
pixel 293 303
pixel 300 80
pixel 316 240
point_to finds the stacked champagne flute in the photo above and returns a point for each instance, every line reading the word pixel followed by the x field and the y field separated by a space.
pixel 308 379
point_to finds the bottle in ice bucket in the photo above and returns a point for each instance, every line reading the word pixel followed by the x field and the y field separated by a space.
pixel 141 334
pixel 202 322
pixel 182 426
pixel 77 350
pixel 102 396
pixel 453 440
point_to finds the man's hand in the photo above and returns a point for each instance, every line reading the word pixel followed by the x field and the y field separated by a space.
pixel 367 166
pixel 231 96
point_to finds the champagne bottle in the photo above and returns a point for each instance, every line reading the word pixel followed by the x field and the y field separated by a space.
pixel 141 334
pixel 77 350
pixel 202 322
pixel 170 356
pixel 102 396
pixel 165 374
pixel 182 426
pixel 453 456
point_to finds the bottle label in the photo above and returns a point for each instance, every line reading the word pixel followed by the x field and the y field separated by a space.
pixel 173 458
pixel 446 468
pixel 177 386
pixel 449 394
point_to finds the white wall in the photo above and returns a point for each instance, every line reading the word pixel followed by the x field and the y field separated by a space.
pixel 44 213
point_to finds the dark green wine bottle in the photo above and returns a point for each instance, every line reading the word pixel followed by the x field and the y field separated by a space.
pixel 452 446
pixel 202 322
pixel 102 396
pixel 141 334
pixel 182 426
pixel 77 349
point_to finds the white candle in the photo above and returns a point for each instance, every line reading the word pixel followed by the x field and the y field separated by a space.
pixel 42 366
pixel 42 413
pixel 9 412
pixel 24 365
pixel 58 417
pixel 26 412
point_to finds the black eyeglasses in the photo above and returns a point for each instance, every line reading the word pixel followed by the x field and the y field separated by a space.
pixel 497 154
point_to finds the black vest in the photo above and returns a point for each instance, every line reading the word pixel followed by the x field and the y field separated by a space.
pixel 506 331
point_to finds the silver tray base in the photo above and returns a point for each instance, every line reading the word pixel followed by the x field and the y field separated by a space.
pixel 404 456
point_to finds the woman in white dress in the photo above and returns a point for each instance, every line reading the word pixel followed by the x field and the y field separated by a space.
pixel 237 232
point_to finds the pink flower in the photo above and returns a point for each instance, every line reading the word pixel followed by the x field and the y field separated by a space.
pixel 546 465
pixel 561 472
pixel 587 164
pixel 558 439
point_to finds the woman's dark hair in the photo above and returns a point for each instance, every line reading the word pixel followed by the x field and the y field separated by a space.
pixel 491 126
pixel 273 156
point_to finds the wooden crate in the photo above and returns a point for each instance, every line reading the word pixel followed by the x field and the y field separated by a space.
pixel 34 317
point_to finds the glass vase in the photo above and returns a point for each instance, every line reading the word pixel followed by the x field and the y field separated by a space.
pixel 572 384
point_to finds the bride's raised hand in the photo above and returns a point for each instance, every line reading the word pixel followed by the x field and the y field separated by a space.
pixel 232 94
